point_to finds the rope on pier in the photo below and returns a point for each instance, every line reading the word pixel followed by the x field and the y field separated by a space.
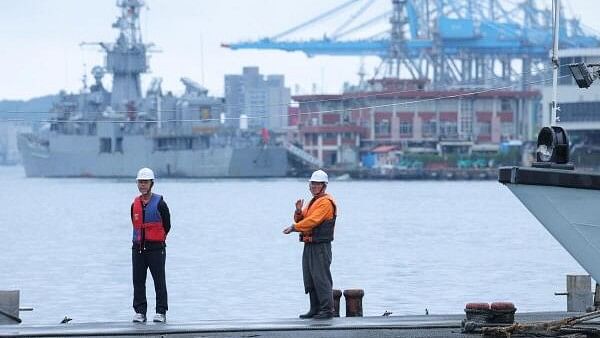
pixel 556 328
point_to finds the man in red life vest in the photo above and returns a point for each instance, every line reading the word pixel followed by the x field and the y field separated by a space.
pixel 315 223
pixel 151 224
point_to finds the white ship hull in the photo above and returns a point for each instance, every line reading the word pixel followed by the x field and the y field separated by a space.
pixel 567 204
pixel 79 156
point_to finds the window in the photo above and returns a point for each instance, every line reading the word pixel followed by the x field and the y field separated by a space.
pixel 406 127
pixel 346 116
pixel 119 145
pixel 382 127
pixel 484 128
pixel 173 143
pixel 185 143
pixel 105 145
pixel 579 111
pixel 448 128
pixel 429 128
pixel 205 113
pixel 329 136
pixel 507 128
pixel 162 144
pixel 506 105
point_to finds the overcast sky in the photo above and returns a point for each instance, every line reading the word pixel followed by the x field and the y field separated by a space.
pixel 40 52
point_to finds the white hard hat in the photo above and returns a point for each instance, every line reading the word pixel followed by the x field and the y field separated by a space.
pixel 319 176
pixel 145 174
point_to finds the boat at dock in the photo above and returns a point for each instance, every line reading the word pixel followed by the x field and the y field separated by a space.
pixel 102 133
pixel 563 200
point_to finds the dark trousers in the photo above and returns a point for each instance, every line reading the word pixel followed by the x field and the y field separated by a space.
pixel 155 261
pixel 316 261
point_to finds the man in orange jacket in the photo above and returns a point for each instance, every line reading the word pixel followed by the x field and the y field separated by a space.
pixel 316 223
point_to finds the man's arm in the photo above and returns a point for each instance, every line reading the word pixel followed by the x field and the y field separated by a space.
pixel 165 215
pixel 320 212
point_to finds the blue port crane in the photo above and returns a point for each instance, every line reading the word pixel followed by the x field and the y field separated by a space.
pixel 456 43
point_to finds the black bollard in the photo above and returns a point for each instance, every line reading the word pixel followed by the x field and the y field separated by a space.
pixel 354 302
pixel 337 294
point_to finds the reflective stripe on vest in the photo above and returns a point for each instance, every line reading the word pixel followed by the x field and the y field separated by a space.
pixel 147 220
pixel 322 233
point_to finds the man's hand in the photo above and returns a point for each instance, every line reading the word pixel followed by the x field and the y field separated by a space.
pixel 288 230
pixel 299 204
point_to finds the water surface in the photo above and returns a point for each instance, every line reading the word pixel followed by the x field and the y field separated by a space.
pixel 410 245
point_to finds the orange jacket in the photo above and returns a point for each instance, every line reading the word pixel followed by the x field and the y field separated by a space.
pixel 314 214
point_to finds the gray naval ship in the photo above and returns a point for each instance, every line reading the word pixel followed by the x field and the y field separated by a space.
pixel 98 133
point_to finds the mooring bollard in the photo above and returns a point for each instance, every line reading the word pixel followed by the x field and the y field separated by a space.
pixel 502 313
pixel 9 307
pixel 354 302
pixel 477 312
pixel 337 294
pixel 579 293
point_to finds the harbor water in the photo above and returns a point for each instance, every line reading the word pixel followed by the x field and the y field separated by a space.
pixel 411 245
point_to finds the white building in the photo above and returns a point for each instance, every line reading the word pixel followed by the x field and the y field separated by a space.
pixel 264 101
pixel 579 108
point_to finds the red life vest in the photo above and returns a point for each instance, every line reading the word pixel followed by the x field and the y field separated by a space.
pixel 147 221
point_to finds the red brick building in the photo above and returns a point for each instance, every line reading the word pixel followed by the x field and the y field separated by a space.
pixel 339 128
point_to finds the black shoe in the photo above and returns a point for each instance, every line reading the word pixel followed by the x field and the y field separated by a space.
pixel 323 315
pixel 308 315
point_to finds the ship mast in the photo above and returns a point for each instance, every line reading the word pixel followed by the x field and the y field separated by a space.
pixel 555 61
pixel 126 58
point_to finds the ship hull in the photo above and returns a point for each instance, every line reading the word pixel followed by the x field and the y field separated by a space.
pixel 567 204
pixel 78 156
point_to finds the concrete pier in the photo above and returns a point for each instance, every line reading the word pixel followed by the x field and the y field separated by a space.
pixel 380 326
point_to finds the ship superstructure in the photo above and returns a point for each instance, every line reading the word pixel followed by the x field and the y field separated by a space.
pixel 102 133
